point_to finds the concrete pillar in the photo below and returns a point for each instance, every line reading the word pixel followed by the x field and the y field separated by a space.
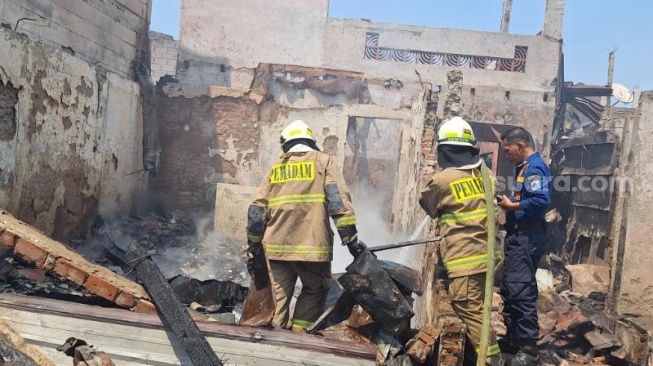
pixel 554 19
pixel 505 19
pixel 453 103
pixel 632 288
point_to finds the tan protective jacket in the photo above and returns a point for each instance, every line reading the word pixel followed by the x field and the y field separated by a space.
pixel 457 198
pixel 292 207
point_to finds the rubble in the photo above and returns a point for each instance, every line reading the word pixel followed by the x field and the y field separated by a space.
pixel 588 278
pixel 67 275
pixel 420 346
pixel 575 328
pixel 32 246
pixel 205 271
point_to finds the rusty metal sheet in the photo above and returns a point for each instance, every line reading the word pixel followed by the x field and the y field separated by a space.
pixel 259 306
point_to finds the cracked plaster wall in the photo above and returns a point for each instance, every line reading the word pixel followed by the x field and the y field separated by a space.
pixel 223 135
pixel 78 137
pixel 635 291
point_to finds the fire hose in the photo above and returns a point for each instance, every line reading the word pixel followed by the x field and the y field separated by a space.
pixel 489 277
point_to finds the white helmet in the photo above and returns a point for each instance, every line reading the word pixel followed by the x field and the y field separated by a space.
pixel 297 130
pixel 456 131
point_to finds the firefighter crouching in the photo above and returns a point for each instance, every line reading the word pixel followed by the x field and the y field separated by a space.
pixel 456 197
pixel 288 223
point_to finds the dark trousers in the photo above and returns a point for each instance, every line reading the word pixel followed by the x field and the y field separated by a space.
pixel 522 249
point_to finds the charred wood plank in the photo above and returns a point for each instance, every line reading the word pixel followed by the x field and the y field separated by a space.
pixel 174 315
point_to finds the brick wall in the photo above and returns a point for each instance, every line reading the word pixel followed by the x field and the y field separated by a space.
pixel 36 248
pixel 109 33
pixel 427 314
pixel 163 51
pixel 197 136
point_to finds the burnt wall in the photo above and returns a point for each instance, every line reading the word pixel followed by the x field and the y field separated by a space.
pixel 205 140
pixel 69 133
pixel 533 110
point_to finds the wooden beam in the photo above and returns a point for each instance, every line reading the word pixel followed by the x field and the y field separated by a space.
pixel 174 313
pixel 281 338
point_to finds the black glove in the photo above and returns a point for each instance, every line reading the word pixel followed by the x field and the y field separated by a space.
pixel 256 265
pixel 355 246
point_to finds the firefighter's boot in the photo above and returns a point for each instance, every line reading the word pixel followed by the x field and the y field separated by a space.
pixel 526 356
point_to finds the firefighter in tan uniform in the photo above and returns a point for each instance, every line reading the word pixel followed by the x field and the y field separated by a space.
pixel 456 197
pixel 289 222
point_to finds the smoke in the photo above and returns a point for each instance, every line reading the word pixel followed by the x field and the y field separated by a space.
pixel 374 230
pixel 179 243
pixel 209 256
pixel 212 257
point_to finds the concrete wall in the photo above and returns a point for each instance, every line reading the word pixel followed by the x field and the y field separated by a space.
pixel 73 143
pixel 110 33
pixel 230 35
pixel 396 51
pixel 302 34
pixel 163 51
pixel 632 283
pixel 509 79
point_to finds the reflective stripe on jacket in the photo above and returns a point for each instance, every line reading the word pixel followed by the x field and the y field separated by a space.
pixel 291 210
pixel 457 198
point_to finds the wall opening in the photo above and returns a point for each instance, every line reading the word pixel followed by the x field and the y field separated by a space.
pixel 8 101
pixel 582 250
pixel 602 248
pixel 487 137
pixel 372 161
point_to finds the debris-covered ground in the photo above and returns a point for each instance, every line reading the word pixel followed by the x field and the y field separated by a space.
pixel 208 275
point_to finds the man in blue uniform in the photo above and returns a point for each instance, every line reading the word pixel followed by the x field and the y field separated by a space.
pixel 524 244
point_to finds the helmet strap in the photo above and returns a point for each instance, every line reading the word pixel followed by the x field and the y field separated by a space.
pixel 289 145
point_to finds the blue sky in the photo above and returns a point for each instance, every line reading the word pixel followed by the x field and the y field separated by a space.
pixel 592 28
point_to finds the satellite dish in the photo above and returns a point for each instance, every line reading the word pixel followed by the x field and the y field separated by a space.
pixel 622 94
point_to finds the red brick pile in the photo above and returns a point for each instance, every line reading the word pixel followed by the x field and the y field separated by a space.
pixel 37 248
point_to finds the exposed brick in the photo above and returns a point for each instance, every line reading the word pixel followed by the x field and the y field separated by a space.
pixel 8 238
pixel 144 306
pixel 50 262
pixel 69 271
pixel 31 252
pixel 101 287
pixel 126 300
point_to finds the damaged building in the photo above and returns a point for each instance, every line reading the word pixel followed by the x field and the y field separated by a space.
pixel 111 135
pixel 372 92
pixel 72 126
